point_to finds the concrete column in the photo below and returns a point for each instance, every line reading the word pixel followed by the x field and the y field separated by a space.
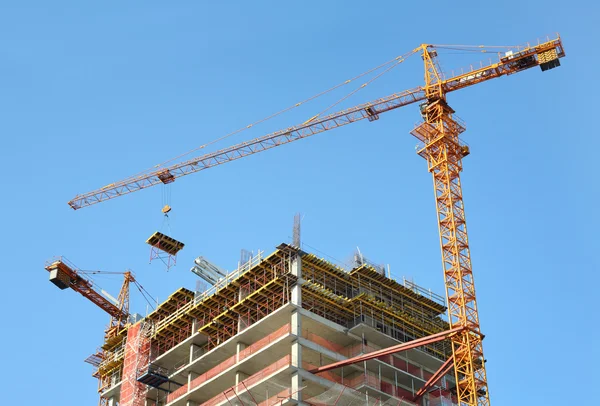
pixel 296 323
pixel 191 403
pixel 193 348
pixel 112 401
pixel 239 347
pixel 297 295
pixel 191 376
pixel 240 376
pixel 296 270
pixel 296 353
pixel 296 385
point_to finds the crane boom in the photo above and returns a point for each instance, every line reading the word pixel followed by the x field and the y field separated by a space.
pixel 281 137
pixel 65 275
pixel 522 59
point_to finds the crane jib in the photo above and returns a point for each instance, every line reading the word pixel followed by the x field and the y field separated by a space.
pixel 544 55
pixel 281 137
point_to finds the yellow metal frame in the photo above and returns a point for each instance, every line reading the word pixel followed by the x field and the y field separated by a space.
pixel 444 152
pixel 382 297
pixel 165 243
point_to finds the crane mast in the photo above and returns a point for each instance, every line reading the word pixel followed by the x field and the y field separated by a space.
pixel 443 150
pixel 117 323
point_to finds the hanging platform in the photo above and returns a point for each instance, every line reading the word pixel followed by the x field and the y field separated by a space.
pixel 165 243
pixel 154 376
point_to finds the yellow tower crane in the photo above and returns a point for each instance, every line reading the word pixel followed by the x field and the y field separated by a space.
pixel 443 150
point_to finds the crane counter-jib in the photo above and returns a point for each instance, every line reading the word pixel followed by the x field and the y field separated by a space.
pixel 547 55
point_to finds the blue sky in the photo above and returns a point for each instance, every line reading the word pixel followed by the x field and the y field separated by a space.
pixel 92 92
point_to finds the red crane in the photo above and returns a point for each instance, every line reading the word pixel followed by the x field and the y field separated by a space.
pixel 65 275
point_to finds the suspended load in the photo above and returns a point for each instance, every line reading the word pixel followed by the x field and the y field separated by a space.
pixel 164 248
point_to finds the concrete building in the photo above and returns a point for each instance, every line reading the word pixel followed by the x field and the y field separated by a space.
pixel 254 337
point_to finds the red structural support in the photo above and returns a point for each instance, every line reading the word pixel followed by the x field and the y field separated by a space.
pixel 391 350
pixel 443 370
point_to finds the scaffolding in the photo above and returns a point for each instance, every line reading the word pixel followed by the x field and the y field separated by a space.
pixel 259 287
pixel 136 354
pixel 365 295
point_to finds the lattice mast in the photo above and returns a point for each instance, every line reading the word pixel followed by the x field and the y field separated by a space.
pixel 119 321
pixel 443 150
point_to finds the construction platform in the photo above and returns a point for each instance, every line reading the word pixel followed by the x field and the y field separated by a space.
pixel 165 243
pixel 254 337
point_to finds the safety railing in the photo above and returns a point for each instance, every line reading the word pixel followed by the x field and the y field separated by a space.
pixel 64 260
pixel 112 358
pixel 108 381
pixel 200 296
pixel 423 292
pixel 176 314
pixel 231 276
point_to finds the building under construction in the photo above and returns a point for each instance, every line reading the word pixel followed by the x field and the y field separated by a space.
pixel 258 336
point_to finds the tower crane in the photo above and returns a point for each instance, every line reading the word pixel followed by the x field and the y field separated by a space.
pixel 65 274
pixel 441 147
